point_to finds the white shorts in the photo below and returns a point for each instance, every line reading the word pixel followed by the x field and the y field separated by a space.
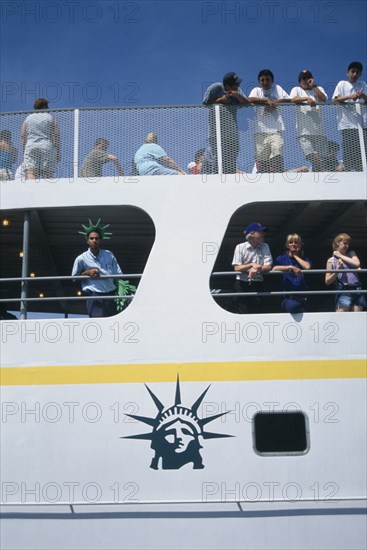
pixel 40 158
pixel 268 145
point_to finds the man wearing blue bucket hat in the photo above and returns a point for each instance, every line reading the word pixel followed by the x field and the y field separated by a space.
pixel 251 259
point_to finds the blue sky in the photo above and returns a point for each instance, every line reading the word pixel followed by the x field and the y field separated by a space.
pixel 110 53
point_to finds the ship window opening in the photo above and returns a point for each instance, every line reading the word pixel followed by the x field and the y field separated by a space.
pixel 315 222
pixel 55 243
pixel 280 433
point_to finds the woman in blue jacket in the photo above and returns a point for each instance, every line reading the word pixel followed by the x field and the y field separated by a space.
pixel 292 263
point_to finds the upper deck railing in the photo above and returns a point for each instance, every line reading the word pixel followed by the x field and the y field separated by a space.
pixel 183 130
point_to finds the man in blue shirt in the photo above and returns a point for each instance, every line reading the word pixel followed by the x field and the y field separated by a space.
pixel 94 263
pixel 152 160
pixel 230 96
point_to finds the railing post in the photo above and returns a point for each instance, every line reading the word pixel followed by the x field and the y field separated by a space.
pixel 219 142
pixel 76 144
pixel 361 138
pixel 25 265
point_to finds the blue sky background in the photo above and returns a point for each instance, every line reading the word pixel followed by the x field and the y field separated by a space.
pixel 95 53
pixel 131 53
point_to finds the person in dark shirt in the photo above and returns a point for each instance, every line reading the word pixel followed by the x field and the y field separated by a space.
pixel 93 163
pixel 292 263
pixel 231 97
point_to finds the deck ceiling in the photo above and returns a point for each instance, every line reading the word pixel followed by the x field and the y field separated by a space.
pixel 55 242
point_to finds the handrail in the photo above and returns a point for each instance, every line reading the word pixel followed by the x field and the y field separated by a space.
pixel 139 275
pixel 70 277
pixel 215 295
pixel 304 271
pixel 134 107
pixel 287 293
pixel 214 292
pixel 67 298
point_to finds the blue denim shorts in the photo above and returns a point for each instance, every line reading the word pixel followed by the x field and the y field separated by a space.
pixel 346 301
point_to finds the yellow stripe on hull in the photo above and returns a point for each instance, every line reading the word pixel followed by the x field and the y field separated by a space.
pixel 189 372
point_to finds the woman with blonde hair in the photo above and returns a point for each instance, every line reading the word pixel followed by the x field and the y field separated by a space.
pixel 292 263
pixel 344 258
pixel 152 160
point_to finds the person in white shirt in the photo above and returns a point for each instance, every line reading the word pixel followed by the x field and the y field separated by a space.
pixel 269 125
pixel 310 126
pixel 251 259
pixel 347 94
pixel 94 263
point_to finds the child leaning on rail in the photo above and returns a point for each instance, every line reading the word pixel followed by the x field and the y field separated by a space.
pixel 344 258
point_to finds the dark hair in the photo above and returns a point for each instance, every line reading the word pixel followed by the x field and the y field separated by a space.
pixel 199 153
pixel 101 141
pixel 355 65
pixel 40 103
pixel 265 72
pixel 94 230
pixel 5 135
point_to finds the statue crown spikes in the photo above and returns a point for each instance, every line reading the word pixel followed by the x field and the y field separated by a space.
pixel 97 228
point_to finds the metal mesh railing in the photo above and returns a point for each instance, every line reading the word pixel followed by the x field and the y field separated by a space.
pixel 227 144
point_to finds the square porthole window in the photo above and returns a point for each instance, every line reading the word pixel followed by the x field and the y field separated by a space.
pixel 281 433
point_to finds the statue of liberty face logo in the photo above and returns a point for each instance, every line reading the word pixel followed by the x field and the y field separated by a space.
pixel 177 431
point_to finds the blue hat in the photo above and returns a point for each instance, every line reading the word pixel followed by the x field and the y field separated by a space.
pixel 255 226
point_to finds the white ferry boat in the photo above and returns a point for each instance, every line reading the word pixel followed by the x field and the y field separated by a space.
pixel 269 409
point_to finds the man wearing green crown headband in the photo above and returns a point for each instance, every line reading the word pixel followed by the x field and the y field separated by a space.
pixel 94 263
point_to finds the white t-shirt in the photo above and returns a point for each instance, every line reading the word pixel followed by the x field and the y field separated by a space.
pixel 348 117
pixel 309 118
pixel 268 119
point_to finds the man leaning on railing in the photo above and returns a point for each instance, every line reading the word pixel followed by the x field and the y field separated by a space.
pixel 347 94
pixel 95 262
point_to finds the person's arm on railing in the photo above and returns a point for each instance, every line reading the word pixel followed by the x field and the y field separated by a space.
pixel 356 95
pixel 261 101
pixel 268 102
pixel 305 99
pixel 170 163
pixel 239 96
pixel 292 268
pixel 94 272
pixel 244 267
pixel 253 268
pixel 117 164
